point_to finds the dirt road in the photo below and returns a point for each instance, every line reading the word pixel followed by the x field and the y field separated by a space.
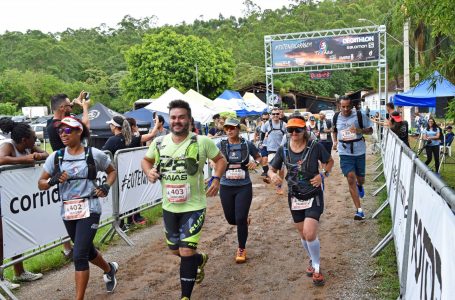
pixel 276 261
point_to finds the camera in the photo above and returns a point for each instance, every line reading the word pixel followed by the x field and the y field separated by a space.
pixel 86 95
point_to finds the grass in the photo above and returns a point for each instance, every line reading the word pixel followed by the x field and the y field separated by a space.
pixel 385 262
pixel 53 259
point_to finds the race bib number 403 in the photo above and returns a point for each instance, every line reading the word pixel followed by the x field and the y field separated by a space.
pixel 76 209
pixel 177 193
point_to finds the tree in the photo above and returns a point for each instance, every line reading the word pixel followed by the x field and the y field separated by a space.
pixel 168 59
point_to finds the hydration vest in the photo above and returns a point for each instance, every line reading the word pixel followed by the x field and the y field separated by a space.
pixel 88 157
pixel 244 153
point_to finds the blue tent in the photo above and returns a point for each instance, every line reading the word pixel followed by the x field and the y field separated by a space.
pixel 145 115
pixel 424 94
pixel 234 102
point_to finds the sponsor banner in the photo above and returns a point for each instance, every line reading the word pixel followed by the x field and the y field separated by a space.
pixel 134 188
pixel 388 158
pixel 401 210
pixel 320 75
pixel 325 50
pixel 31 218
pixel 431 266
pixel 392 181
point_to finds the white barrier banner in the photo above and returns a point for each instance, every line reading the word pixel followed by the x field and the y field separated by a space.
pixel 401 210
pixel 388 158
pixel 134 188
pixel 431 265
pixel 392 180
pixel 31 218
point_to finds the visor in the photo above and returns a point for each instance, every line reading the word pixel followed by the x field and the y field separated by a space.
pixel 113 123
pixel 296 122
pixel 71 122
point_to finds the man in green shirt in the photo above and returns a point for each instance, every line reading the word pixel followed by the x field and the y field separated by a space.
pixel 177 160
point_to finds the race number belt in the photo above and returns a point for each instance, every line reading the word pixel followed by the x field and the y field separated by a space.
pixel 235 173
pixel 76 209
pixel 347 135
pixel 323 136
pixel 177 193
pixel 298 204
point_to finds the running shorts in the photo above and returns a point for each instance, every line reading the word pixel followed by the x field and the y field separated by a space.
pixel 183 230
pixel 314 212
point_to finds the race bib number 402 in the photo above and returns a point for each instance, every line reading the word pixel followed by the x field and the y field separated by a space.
pixel 76 209
pixel 177 193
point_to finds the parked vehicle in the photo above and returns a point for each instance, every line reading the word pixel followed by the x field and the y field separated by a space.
pixel 39 130
pixel 328 114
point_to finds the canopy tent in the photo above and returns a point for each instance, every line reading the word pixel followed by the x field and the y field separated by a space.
pixel 231 100
pixel 195 96
pixel 424 94
pixel 98 115
pixel 254 103
pixel 146 115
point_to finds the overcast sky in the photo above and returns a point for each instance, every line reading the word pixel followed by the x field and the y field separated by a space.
pixel 58 15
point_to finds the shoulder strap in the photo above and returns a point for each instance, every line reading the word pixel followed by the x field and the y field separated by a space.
pixel 91 175
pixel 223 149
pixel 335 119
pixel 58 158
pixel 360 119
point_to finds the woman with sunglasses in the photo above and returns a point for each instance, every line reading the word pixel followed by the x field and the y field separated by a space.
pixel 236 191
pixel 73 171
pixel 305 187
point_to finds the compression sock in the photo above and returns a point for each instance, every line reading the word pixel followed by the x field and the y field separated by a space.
pixel 315 251
pixel 188 271
pixel 305 246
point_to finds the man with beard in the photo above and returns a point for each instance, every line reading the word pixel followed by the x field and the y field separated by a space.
pixel 62 107
pixel 177 160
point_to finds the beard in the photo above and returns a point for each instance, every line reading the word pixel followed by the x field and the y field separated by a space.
pixel 67 114
pixel 184 130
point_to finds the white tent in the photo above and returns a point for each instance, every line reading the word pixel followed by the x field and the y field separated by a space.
pixel 200 113
pixel 195 96
pixel 253 102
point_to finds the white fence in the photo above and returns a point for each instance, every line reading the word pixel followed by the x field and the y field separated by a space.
pixel 423 223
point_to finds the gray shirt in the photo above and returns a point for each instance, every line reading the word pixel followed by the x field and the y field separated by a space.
pixel 76 167
pixel 344 123
pixel 274 134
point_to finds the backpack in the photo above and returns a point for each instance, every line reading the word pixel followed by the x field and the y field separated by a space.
pixel 280 129
pixel 335 119
pixel 91 174
pixel 245 152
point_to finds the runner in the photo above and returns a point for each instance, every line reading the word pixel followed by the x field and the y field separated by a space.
pixel 236 191
pixel 349 127
pixel 325 129
pixel 261 146
pixel 274 131
pixel 177 159
pixel 74 169
pixel 305 187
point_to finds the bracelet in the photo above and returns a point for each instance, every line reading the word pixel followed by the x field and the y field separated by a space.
pixel 215 177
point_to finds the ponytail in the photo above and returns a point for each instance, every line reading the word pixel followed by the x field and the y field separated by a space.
pixel 126 132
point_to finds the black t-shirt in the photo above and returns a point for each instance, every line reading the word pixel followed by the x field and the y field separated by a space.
pixel 135 142
pixel 401 130
pixel 215 131
pixel 115 143
pixel 54 138
pixel 284 119
pixel 319 153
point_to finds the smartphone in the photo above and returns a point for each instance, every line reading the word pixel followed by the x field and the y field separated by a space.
pixel 154 114
pixel 86 96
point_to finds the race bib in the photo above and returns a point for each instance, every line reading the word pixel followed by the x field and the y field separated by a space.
pixel 323 136
pixel 297 204
pixel 178 193
pixel 76 209
pixel 235 174
pixel 347 135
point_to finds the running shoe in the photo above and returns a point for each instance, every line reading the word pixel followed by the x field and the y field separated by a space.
pixel 139 220
pixel 359 215
pixel 8 284
pixel 309 270
pixel 318 279
pixel 240 258
pixel 185 298
pixel 68 256
pixel 109 277
pixel 200 269
pixel 361 191
pixel 28 276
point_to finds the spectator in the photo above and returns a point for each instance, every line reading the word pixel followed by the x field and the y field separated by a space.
pixel 218 130
pixel 432 137
pixel 400 127
pixel 283 117
pixel 123 135
pixel 312 126
pixel 20 149
pixel 448 139
pixel 138 139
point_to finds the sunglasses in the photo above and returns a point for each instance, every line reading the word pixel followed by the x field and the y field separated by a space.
pixel 227 127
pixel 66 130
pixel 275 114
pixel 265 119
pixel 295 129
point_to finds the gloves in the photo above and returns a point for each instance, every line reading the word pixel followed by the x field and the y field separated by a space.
pixel 105 188
pixel 54 179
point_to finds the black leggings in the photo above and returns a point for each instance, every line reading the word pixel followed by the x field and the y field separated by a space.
pixel 433 150
pixel 82 232
pixel 236 201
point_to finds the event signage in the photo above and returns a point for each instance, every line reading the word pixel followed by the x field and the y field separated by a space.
pixel 431 267
pixel 325 50
pixel 134 188
pixel 320 75
pixel 31 218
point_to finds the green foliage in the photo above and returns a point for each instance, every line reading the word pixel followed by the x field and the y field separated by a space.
pixel 8 109
pixel 168 59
